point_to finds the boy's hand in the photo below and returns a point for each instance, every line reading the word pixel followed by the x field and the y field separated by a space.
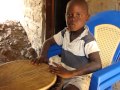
pixel 61 71
pixel 41 59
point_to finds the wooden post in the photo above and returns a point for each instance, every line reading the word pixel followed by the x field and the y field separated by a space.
pixel 49 18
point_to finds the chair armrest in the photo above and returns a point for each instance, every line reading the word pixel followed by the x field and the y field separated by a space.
pixel 54 50
pixel 54 47
pixel 106 77
pixel 116 57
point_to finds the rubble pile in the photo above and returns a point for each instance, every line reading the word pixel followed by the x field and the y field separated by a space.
pixel 14 43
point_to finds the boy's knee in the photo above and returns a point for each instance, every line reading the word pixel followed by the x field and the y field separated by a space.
pixel 70 87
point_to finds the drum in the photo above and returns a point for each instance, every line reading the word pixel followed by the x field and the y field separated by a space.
pixel 22 75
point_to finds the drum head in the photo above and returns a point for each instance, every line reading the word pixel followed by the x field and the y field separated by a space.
pixel 22 75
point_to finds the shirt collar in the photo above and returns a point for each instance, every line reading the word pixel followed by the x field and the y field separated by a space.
pixel 84 33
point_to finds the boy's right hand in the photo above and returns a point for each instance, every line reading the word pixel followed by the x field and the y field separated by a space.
pixel 41 59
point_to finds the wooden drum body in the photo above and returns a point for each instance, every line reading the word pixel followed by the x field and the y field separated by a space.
pixel 22 75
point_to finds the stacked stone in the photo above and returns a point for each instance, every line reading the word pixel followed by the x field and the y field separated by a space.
pixel 14 43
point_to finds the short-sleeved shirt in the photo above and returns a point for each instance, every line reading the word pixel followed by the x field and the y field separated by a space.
pixel 75 54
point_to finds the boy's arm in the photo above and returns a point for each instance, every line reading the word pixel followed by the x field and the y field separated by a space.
pixel 93 65
pixel 44 50
pixel 46 46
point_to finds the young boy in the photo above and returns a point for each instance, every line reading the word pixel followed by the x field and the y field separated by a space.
pixel 80 55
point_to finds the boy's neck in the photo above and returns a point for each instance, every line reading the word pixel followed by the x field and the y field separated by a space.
pixel 75 34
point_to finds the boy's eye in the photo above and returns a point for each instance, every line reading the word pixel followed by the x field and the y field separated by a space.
pixel 77 15
pixel 69 15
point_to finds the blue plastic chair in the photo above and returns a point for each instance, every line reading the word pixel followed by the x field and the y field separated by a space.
pixel 105 78
pixel 102 79
pixel 106 17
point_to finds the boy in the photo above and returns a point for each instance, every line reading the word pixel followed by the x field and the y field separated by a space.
pixel 80 55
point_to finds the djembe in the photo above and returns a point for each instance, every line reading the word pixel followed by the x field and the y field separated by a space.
pixel 22 75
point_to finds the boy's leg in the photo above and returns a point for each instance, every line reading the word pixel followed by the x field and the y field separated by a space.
pixel 70 87
pixel 78 83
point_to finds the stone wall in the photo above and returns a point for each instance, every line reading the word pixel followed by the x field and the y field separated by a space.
pixel 96 6
pixel 34 21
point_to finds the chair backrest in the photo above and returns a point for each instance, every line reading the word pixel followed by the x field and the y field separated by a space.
pixel 105 17
pixel 108 39
pixel 104 78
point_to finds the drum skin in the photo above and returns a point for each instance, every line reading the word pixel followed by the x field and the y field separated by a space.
pixel 23 75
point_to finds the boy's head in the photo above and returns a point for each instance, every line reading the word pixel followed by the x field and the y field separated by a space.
pixel 76 14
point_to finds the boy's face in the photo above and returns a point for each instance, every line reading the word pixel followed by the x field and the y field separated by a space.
pixel 76 17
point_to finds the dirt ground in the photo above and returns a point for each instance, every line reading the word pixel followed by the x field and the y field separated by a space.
pixel 14 43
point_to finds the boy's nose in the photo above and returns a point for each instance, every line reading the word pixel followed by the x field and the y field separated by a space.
pixel 73 16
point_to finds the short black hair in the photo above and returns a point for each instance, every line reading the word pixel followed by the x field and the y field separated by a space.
pixel 81 3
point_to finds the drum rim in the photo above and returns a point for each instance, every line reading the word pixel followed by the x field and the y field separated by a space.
pixel 43 88
pixel 48 86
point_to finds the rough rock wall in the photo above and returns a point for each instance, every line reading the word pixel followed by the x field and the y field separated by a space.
pixel 96 6
pixel 14 43
pixel 34 22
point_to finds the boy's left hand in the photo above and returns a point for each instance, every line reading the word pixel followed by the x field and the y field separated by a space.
pixel 61 71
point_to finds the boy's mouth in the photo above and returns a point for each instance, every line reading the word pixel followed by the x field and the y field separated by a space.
pixel 71 24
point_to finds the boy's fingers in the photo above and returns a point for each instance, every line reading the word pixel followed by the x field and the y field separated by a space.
pixel 51 67
pixel 54 69
pixel 37 61
pixel 58 65
pixel 45 61
pixel 33 61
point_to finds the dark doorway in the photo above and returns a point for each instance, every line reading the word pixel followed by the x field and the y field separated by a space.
pixel 60 8
pixel 55 16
